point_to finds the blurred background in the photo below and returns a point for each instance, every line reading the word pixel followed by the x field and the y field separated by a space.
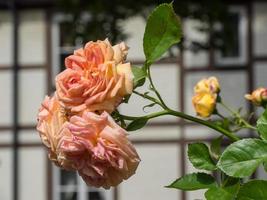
pixel 225 38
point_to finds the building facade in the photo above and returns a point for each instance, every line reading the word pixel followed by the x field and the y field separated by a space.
pixel 32 52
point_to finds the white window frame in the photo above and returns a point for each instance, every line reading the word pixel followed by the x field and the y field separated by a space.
pixel 81 188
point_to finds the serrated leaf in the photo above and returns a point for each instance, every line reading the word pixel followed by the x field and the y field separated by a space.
pixel 262 125
pixel 226 192
pixel 136 124
pixel 253 190
pixel 163 29
pixel 139 76
pixel 194 181
pixel 199 156
pixel 215 147
pixel 242 158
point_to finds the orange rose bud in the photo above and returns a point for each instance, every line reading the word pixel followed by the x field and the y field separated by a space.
pixel 204 103
pixel 210 84
pixel 258 97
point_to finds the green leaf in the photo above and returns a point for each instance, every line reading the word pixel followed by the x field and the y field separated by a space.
pixel 199 156
pixel 194 181
pixel 163 29
pixel 242 158
pixel 139 76
pixel 262 125
pixel 226 192
pixel 136 124
pixel 215 147
pixel 253 190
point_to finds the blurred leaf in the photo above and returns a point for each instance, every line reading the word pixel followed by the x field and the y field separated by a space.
pixel 262 125
pixel 215 147
pixel 199 156
pixel 225 192
pixel 137 124
pixel 163 29
pixel 253 190
pixel 139 76
pixel 194 181
pixel 242 158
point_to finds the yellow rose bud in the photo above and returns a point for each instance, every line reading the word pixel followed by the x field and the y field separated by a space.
pixel 204 103
pixel 210 85
pixel 258 97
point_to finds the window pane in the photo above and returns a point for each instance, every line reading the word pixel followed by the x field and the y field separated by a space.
pixel 95 196
pixel 32 173
pixel 156 133
pixel 32 37
pixel 135 28
pixel 260 29
pixel 68 196
pixel 165 78
pixel 29 136
pixel 32 92
pixel 5 38
pixel 68 177
pixel 5 96
pixel 6 174
pixel 158 168
pixel 5 138
pixel 192 58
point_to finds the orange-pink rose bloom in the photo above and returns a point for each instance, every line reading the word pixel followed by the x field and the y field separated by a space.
pixel 96 78
pixel 51 118
pixel 98 148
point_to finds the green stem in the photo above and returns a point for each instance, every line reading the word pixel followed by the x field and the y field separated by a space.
pixel 154 88
pixel 225 132
pixel 149 98
pixel 237 115
pixel 211 125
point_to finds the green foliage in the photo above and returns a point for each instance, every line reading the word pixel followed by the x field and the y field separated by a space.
pixel 163 29
pixel 139 76
pixel 262 125
pixel 241 158
pixel 199 156
pixel 227 191
pixel 215 147
pixel 137 124
pixel 253 190
pixel 194 181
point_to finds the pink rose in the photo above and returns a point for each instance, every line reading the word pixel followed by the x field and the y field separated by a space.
pixel 51 117
pixel 100 89
pixel 98 148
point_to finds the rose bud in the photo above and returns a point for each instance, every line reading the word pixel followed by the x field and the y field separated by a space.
pixel 204 103
pixel 258 97
pixel 208 85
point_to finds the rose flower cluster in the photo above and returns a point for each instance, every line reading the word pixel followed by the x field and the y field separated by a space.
pixel 75 123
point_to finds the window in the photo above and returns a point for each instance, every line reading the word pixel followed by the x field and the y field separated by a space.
pixel 69 185
pixel 235 52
